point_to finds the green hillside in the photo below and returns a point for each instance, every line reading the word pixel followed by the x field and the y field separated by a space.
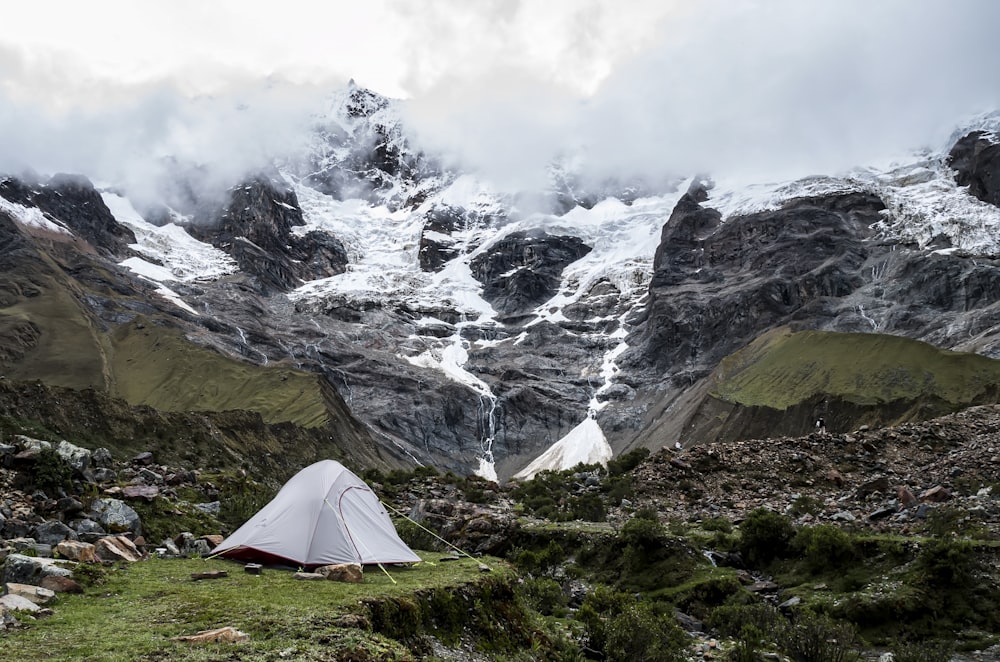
pixel 782 369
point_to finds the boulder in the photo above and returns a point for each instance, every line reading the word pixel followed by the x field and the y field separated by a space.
pixel 227 634
pixel 143 459
pixel 53 532
pixel 25 443
pixel 905 496
pixel 116 516
pixel 88 530
pixel 76 457
pixel 37 594
pixel 936 494
pixel 60 584
pixel 117 548
pixel 18 603
pixel 22 569
pixel 147 492
pixel 105 475
pixel 342 572
pixel 74 550
pixel 69 506
pixel 308 576
pixel 211 508
pixel 879 484
pixel 101 457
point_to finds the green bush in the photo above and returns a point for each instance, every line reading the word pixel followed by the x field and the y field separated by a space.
pixel 811 637
pixel 824 546
pixel 625 629
pixel 50 472
pixel 545 596
pixel 720 524
pixel 931 651
pixel 627 462
pixel 639 633
pixel 947 563
pixel 804 505
pixel 731 620
pixel 764 536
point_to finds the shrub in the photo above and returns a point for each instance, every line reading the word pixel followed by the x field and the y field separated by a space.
pixel 627 462
pixel 946 563
pixel 812 637
pixel 639 633
pixel 50 471
pixel 932 651
pixel 544 596
pixel 805 504
pixel 764 536
pixel 824 546
pixel 720 524
pixel 624 629
pixel 731 620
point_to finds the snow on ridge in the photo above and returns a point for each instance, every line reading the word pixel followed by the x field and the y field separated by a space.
pixel 183 258
pixel 32 217
pixel 922 200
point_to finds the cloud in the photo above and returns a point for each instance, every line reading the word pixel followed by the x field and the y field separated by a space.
pixel 755 90
pixel 648 88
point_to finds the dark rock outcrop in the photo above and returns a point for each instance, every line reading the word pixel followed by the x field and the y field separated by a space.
pixel 524 269
pixel 255 228
pixel 73 200
pixel 976 161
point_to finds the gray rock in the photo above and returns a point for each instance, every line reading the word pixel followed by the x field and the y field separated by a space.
pixel 843 516
pixel 211 508
pixel 18 603
pixel 101 457
pixel 25 443
pixel 76 457
pixel 150 477
pixel 105 475
pixel 88 530
pixel 793 601
pixel 53 532
pixel 22 569
pixel 116 516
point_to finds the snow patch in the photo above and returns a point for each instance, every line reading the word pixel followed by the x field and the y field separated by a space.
pixel 32 217
pixel 585 443
pixel 183 258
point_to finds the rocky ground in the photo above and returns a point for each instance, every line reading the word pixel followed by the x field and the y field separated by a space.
pixel 898 480
pixel 881 479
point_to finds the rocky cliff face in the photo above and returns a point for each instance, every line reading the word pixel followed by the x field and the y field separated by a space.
pixel 468 334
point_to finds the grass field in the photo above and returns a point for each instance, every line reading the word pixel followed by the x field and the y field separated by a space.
pixel 133 612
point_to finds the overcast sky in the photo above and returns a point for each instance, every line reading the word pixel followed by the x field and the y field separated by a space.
pixel 660 87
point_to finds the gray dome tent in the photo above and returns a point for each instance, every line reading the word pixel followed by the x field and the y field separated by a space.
pixel 324 514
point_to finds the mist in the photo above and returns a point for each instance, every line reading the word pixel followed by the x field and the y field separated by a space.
pixel 753 91
pixel 646 90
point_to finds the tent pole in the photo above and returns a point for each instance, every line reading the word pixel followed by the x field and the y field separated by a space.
pixel 381 567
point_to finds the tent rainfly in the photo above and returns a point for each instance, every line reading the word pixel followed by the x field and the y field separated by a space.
pixel 323 515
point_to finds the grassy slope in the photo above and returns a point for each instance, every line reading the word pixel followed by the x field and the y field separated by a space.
pixel 69 352
pixel 782 369
pixel 158 367
pixel 140 608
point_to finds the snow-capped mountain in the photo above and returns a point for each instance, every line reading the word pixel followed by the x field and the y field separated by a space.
pixel 473 332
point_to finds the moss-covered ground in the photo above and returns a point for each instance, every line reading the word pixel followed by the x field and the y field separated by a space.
pixel 133 613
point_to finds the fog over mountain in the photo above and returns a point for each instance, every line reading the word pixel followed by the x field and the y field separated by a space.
pixel 753 90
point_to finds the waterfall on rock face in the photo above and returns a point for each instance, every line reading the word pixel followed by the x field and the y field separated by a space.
pixel 453 359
